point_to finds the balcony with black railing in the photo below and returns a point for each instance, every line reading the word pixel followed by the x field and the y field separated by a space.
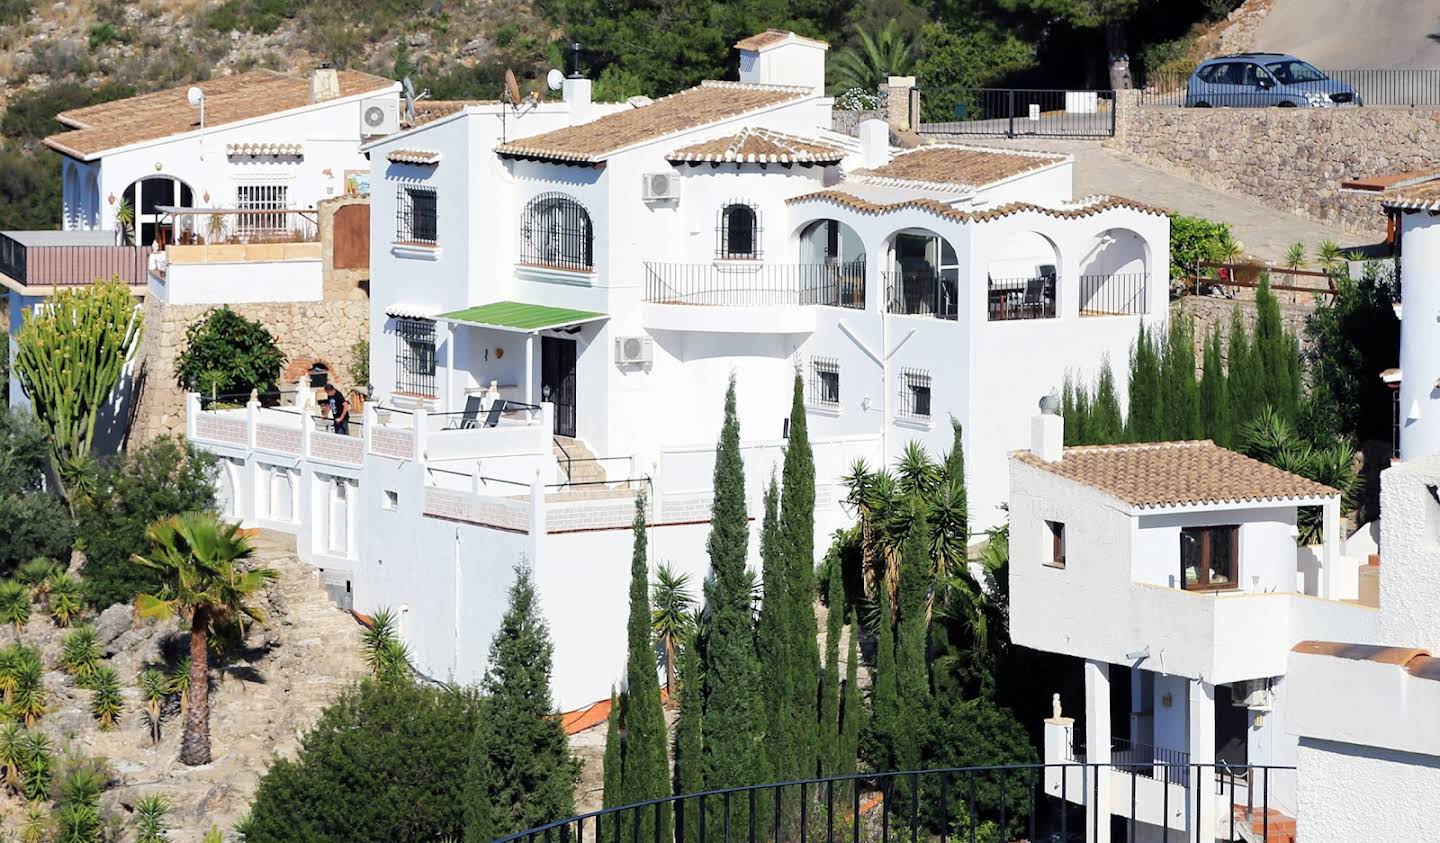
pixel 922 292
pixel 1121 294
pixel 48 259
pixel 1009 299
pixel 756 284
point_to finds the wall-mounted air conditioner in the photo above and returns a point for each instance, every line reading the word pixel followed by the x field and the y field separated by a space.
pixel 630 351
pixel 658 187
pixel 380 116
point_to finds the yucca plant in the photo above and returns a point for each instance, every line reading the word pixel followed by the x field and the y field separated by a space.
pixel 11 656
pixel 11 735
pixel 1328 254
pixel 150 823
pixel 28 701
pixel 37 765
pixel 179 683
pixel 35 572
pixel 35 828
pixel 384 652
pixel 106 702
pixel 82 783
pixel 77 824
pixel 670 622
pixel 154 688
pixel 80 654
pixel 213 836
pixel 65 598
pixel 14 604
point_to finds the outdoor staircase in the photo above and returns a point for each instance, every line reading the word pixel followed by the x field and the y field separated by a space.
pixel 1253 825
pixel 577 464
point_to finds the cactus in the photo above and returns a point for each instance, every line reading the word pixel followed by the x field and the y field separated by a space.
pixel 69 356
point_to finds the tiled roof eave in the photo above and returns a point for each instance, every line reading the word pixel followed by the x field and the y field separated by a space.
pixel 1091 206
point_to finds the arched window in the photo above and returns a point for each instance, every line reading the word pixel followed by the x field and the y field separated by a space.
pixel 739 232
pixel 555 231
pixel 145 198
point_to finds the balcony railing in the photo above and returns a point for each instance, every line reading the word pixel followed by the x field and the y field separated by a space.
pixel 1021 298
pixel 757 285
pixel 68 259
pixel 1152 762
pixel 1123 294
pixel 922 292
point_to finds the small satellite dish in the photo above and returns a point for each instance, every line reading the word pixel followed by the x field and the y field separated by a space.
pixel 195 96
pixel 512 88
pixel 555 79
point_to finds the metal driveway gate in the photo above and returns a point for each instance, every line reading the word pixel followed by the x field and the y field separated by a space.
pixel 1029 112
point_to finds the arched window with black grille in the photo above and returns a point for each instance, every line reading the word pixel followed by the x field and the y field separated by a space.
pixel 739 231
pixel 555 231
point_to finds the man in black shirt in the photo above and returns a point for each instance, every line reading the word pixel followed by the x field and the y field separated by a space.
pixel 338 409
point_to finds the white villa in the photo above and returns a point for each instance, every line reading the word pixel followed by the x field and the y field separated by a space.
pixel 561 289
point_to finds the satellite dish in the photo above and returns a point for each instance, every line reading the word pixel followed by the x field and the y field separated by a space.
pixel 555 79
pixel 195 96
pixel 512 88
pixel 409 90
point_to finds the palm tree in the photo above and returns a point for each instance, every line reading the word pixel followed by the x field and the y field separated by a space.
pixel 671 619
pixel 1295 259
pixel 1328 254
pixel 874 58
pixel 385 653
pixel 198 556
pixel 125 218
pixel 1270 438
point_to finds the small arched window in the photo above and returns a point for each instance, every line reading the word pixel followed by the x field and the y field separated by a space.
pixel 555 231
pixel 739 232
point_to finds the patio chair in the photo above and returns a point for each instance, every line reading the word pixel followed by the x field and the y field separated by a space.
pixel 1033 304
pixel 469 417
pixel 493 418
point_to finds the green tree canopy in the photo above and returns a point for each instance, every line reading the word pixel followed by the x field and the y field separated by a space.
pixel 227 354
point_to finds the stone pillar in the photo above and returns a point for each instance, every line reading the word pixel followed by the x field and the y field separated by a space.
pixel 899 96
pixel 1059 751
pixel 1097 751
pixel 1202 752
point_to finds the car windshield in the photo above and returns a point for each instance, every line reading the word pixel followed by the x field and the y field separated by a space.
pixel 1290 71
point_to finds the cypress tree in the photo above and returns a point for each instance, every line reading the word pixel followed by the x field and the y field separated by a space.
pixel 1243 377
pixel 521 773
pixel 1214 398
pixel 911 672
pixel 1107 427
pixel 774 643
pixel 689 758
pixel 614 754
pixel 830 740
pixel 1274 348
pixel 1143 421
pixel 645 772
pixel 797 536
pixel 1067 411
pixel 852 711
pixel 955 475
pixel 734 720
pixel 1181 403
pixel 1084 416
pixel 884 692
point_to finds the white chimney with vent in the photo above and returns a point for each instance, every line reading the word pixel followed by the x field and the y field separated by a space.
pixel 1047 430
pixel 577 97
pixel 324 83
pixel 874 143
pixel 780 57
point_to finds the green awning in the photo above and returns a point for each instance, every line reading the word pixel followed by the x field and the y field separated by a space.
pixel 518 316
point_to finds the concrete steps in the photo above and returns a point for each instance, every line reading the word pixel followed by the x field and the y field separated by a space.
pixel 575 458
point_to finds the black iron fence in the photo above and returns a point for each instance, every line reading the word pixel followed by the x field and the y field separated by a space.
pixel 758 285
pixel 1035 112
pixel 1122 294
pixel 1021 298
pixel 922 292
pixel 1021 801
pixel 1242 84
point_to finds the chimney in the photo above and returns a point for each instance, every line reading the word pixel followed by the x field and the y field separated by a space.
pixel 577 97
pixel 1047 430
pixel 324 83
pixel 874 143
pixel 780 57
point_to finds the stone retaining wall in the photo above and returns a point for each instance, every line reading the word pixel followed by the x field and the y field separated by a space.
pixel 1290 159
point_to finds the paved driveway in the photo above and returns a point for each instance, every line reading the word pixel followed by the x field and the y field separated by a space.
pixel 1344 34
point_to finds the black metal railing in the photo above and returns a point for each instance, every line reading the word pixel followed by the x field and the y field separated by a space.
pixel 1019 801
pixel 1395 87
pixel 761 285
pixel 1152 762
pixel 922 292
pixel 1038 112
pixel 1021 298
pixel 415 356
pixel 1122 294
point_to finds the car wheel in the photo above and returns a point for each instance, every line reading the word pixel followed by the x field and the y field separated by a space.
pixel 1286 104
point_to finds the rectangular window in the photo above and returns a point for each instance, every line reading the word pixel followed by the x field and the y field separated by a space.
pixel 1210 558
pixel 256 200
pixel 416 215
pixel 392 499
pixel 1056 530
pixel 825 381
pixel 415 357
pixel 915 394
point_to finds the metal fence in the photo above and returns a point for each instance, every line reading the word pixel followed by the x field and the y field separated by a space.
pixel 1021 801
pixel 921 292
pixel 1400 87
pixel 760 285
pixel 1029 112
pixel 1122 294
pixel 1021 298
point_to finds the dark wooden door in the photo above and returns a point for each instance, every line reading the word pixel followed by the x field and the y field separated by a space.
pixel 557 381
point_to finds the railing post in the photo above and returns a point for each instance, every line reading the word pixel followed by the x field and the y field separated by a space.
pixel 1010 112
pixel 192 408
pixel 252 413
pixel 307 427
pixel 368 419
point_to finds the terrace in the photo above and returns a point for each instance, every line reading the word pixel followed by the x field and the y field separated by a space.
pixel 215 250
pixel 40 262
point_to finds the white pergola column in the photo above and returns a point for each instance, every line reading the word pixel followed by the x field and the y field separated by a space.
pixel 1097 751
pixel 1202 752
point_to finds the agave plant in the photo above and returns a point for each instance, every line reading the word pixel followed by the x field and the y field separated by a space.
pixel 150 823
pixel 154 688
pixel 14 604
pixel 105 700
pixel 64 598
pixel 37 765
pixel 80 654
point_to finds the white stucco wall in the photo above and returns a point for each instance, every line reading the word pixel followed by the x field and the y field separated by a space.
pixel 1419 337
pixel 1350 793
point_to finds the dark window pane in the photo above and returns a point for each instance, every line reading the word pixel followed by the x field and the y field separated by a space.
pixel 1222 556
pixel 1192 543
pixel 920 395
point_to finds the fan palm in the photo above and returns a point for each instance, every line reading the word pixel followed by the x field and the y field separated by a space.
pixel 198 557
pixel 873 58
pixel 670 619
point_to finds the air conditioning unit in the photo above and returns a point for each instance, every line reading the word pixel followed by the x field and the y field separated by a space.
pixel 380 116
pixel 633 350
pixel 660 186
pixel 1254 694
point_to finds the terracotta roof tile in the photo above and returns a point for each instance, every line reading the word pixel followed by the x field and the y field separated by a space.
pixel 413 156
pixel 774 37
pixel 957 166
pixel 1424 196
pixel 597 140
pixel 1088 206
pixel 1177 474
pixel 751 145
pixel 228 99
pixel 427 111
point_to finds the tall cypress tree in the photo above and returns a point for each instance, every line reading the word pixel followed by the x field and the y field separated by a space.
pixel 830 742
pixel 1143 421
pixel 774 643
pixel 1073 423
pixel 1274 350
pixel 1214 397
pixel 734 719
pixel 689 756
pixel 521 773
pixel 1084 416
pixel 1181 403
pixel 1243 376
pixel 797 536
pixel 955 475
pixel 911 671
pixel 645 773
pixel 884 690
pixel 1107 426
pixel 611 795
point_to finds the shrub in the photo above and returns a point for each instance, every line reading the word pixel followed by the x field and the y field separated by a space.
pixel 37 572
pixel 413 739
pixel 105 700
pixel 103 33
pixel 36 523
pixel 360 362
pixel 225 353
pixel 30 190
pixel 15 11
pixel 64 598
pixel 161 478
pixel 80 654
pixel 1193 240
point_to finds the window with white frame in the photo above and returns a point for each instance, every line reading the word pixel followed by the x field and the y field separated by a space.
pixel 914 394
pixel 255 200
pixel 416 215
pixel 825 381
